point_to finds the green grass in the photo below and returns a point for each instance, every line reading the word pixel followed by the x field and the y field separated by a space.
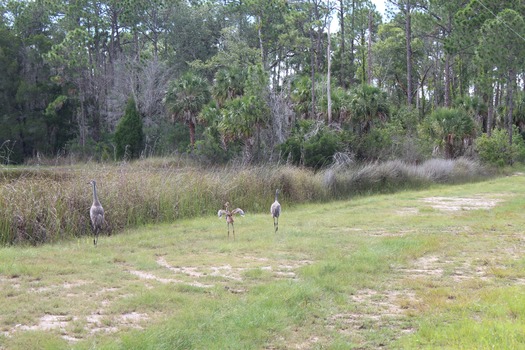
pixel 383 271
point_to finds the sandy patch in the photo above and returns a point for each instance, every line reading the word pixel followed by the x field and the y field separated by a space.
pixel 461 203
pixel 374 310
pixel 48 322
pixel 407 211
pixel 436 267
pixel 150 276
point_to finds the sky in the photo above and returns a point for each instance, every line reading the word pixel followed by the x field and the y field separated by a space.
pixel 380 6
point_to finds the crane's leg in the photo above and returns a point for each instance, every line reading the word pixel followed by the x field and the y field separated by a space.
pixel 276 224
pixel 95 239
pixel 228 230
pixel 233 229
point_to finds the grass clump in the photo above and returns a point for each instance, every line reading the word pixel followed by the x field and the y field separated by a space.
pixel 395 175
pixel 47 204
pixel 490 319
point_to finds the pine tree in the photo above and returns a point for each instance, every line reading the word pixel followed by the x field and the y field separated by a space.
pixel 129 136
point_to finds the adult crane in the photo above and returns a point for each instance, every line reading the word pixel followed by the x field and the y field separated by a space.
pixel 275 210
pixel 96 213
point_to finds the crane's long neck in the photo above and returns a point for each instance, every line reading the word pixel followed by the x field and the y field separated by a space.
pixel 95 197
pixel 276 195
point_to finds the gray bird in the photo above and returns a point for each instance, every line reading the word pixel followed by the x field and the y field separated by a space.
pixel 96 213
pixel 229 216
pixel 275 210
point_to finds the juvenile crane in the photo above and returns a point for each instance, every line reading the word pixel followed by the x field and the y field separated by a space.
pixel 229 216
pixel 96 213
pixel 275 209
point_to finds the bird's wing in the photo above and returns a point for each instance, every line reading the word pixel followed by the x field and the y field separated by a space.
pixel 96 210
pixel 220 213
pixel 96 214
pixel 238 210
pixel 275 208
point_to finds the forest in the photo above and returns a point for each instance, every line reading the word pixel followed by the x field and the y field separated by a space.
pixel 302 82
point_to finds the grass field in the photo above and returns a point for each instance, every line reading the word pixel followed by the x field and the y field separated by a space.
pixel 437 268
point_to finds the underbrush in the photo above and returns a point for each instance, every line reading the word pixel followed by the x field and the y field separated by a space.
pixel 46 204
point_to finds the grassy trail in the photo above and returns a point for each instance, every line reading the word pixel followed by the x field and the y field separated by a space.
pixel 440 268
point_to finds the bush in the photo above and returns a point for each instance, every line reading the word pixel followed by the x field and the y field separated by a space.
pixel 312 144
pixel 495 150
pixel 451 129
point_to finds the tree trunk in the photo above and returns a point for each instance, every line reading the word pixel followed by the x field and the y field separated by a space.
pixel 448 102
pixel 497 96
pixel 369 75
pixel 408 38
pixel 352 46
pixel 490 112
pixel 510 103
pixel 328 87
pixel 312 68
pixel 261 47
pixel 363 58
pixel 342 77
pixel 191 125
pixel 447 81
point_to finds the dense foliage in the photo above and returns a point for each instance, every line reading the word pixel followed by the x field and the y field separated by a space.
pixel 129 136
pixel 234 80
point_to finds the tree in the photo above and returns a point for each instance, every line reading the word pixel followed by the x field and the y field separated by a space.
pixel 228 84
pixel 10 77
pixel 466 42
pixel 243 117
pixel 185 98
pixel 441 13
pixel 129 136
pixel 453 129
pixel 498 48
pixel 368 105
pixel 407 8
pixel 26 37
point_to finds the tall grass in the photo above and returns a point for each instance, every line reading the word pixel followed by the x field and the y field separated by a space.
pixel 52 203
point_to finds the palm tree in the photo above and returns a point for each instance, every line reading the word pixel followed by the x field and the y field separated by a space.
pixel 242 117
pixel 228 84
pixel 185 98
pixel 368 105
pixel 454 129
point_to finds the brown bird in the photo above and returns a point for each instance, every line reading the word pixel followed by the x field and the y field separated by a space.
pixel 229 216
pixel 275 210
pixel 96 213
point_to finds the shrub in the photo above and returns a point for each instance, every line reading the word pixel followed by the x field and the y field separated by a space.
pixel 495 150
pixel 312 144
pixel 451 129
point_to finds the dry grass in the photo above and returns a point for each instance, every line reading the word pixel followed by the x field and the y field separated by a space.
pixel 47 204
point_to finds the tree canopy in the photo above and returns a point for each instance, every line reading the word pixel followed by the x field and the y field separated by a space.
pixel 235 79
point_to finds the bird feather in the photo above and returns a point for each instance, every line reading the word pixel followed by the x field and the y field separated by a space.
pixel 238 210
pixel 275 209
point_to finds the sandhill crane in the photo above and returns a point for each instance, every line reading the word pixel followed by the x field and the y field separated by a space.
pixel 96 213
pixel 275 210
pixel 229 216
